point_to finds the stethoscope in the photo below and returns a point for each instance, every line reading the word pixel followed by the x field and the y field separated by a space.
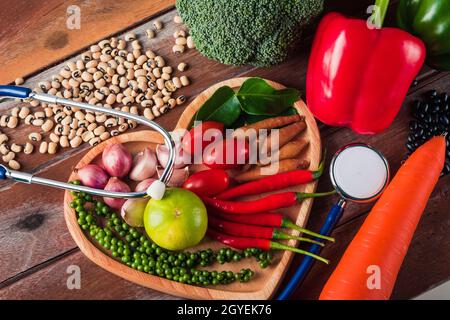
pixel 156 190
pixel 359 173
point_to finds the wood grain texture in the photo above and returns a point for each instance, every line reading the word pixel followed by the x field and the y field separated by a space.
pixel 28 270
pixel 267 280
pixel 34 35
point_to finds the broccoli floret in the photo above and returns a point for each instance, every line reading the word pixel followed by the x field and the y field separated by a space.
pixel 239 32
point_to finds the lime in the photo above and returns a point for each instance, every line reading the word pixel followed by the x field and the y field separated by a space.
pixel 177 221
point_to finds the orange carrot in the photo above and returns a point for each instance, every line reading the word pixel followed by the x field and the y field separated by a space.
pixel 285 135
pixel 369 266
pixel 289 151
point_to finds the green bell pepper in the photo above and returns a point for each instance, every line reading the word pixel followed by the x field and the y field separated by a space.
pixel 430 21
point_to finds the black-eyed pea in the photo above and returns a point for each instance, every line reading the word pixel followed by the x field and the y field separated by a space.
pixel 59 94
pixel 9 156
pixel 37 122
pixel 123 82
pixel 159 102
pixel 27 120
pixel 164 109
pixel 39 115
pixel 15 111
pixel 135 44
pixel 190 42
pixel 142 87
pixel 100 83
pixel 148 114
pixel 155 111
pixel 47 125
pixel 181 99
pixel 80 131
pixel 121 44
pixel 95 141
pixel 120 121
pixel 160 83
pixel 86 56
pixel 166 94
pixel 170 86
pixel 48 112
pixel 101 118
pixel 86 76
pixel 87 135
pixel 54 137
pixel 4 149
pixel 92 100
pixel 114 133
pixel 127 100
pixel 72 134
pixel 172 103
pixel 28 149
pixel 66 121
pixel 105 57
pixel 12 122
pixel 177 19
pixel 19 81
pixel 130 37
pixel 141 60
pixel 184 81
pixel 43 147
pixel 80 64
pixel 157 24
pixel 180 41
pixel 35 103
pixel 16 148
pixel 75 142
pixel 177 82
pixel 59 117
pixel 65 73
pixel 99 95
pixel 99 130
pixel 92 126
pixel 3 138
pixel 114 89
pixel 130 59
pixel 74 83
pixel 64 142
pixel 132 124
pixel 177 49
pixel 150 33
pixel 156 72
pixel 182 66
pixel 160 62
pixel 134 110
pixel 96 55
pixel 52 147
pixel 95 48
pixel 105 136
pixel 13 164
pixel 24 111
pixel 179 33
pixel 74 123
pixel 111 122
pixel 79 115
pixel 150 54
pixel 165 76
pixel 65 130
pixel 123 127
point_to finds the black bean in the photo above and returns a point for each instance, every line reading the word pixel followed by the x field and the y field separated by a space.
pixel 431 93
pixel 446 168
pixel 409 146
pixel 414 83
pixel 444 120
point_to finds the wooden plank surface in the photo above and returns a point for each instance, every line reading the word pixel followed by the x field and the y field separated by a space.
pixel 34 33
pixel 36 247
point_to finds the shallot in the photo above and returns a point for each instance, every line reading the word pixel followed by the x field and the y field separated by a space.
pixel 133 211
pixel 144 165
pixel 178 177
pixel 115 184
pixel 181 157
pixel 117 160
pixel 93 176
pixel 144 184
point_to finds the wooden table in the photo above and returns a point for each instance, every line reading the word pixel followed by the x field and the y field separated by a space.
pixel 35 246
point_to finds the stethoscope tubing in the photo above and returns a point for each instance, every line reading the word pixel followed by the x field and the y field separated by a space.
pixel 26 93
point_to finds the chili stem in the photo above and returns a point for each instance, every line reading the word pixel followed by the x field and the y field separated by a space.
pixel 379 13
pixel 285 236
pixel 317 173
pixel 279 246
pixel 302 195
pixel 288 224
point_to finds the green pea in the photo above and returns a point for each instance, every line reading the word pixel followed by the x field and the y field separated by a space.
pixel 85 227
pixel 263 264
pixel 126 258
pixel 134 244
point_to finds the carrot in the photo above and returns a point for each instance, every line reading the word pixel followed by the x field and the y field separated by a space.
pixel 283 166
pixel 379 247
pixel 270 123
pixel 285 135
pixel 289 151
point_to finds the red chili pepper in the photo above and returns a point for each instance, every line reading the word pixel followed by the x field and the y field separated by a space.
pixel 275 182
pixel 271 202
pixel 242 243
pixel 359 77
pixel 268 219
pixel 252 231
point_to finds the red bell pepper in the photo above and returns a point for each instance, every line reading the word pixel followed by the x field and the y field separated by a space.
pixel 359 76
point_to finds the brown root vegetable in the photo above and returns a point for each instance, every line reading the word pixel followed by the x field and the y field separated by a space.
pixel 270 123
pixel 289 151
pixel 285 135
pixel 285 165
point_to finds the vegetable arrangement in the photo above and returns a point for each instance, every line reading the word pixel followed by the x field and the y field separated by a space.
pixel 383 239
pixel 358 92
pixel 257 32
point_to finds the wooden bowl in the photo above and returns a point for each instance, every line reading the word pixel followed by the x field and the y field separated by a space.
pixel 265 281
